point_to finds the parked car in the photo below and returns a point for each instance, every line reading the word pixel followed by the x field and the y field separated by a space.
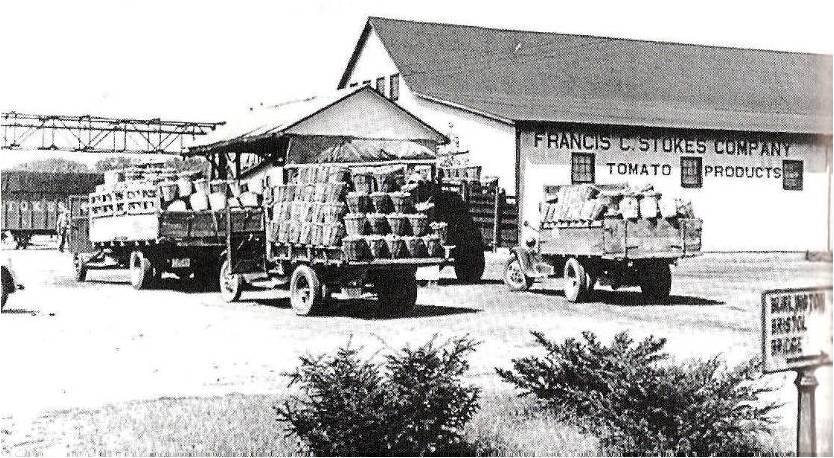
pixel 8 281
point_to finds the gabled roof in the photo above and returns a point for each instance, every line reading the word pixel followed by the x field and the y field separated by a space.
pixel 294 118
pixel 534 76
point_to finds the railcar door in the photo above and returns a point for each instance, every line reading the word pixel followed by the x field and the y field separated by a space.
pixel 79 225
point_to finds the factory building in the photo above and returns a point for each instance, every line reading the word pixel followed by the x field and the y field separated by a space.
pixel 744 134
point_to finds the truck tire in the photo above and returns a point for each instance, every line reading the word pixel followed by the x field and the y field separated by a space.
pixel 207 274
pixel 6 285
pixel 514 276
pixel 306 294
pixel 469 265
pixel 79 265
pixel 577 281
pixel 141 270
pixel 656 281
pixel 231 285
pixel 396 293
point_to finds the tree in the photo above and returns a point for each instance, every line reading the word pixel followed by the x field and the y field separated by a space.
pixel 53 164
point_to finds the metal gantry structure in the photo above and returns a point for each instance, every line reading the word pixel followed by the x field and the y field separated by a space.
pixel 97 134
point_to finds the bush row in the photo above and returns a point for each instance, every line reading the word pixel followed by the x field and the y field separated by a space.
pixel 630 395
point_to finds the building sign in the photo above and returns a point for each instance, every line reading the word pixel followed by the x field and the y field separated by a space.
pixel 796 328
pixel 727 156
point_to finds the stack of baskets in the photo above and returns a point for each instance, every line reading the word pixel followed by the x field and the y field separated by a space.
pixel 331 206
pixel 309 210
pixel 147 190
pixel 585 203
pixel 388 225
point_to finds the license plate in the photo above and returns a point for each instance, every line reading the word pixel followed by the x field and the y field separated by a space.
pixel 180 263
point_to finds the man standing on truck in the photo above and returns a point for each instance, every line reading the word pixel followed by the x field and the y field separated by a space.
pixel 62 224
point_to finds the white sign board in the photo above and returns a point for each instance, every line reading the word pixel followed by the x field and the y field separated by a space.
pixel 796 328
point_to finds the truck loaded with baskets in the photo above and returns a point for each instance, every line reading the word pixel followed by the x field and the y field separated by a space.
pixel 333 229
pixel 612 234
pixel 151 220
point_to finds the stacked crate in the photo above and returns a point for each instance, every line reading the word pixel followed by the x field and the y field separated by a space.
pixel 587 204
pixel 149 190
pixel 360 211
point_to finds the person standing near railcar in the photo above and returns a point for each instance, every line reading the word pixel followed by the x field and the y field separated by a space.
pixel 62 224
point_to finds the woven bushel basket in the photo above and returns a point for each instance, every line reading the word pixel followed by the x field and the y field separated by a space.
pixel 363 182
pixel 396 247
pixel 378 222
pixel 382 202
pixel 317 234
pixel 356 249
pixel 398 223
pixel 358 203
pixel 419 223
pixel 402 201
pixel 378 246
pixel 332 234
pixel 433 245
pixel 356 224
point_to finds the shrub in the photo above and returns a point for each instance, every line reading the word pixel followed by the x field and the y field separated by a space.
pixel 411 404
pixel 638 403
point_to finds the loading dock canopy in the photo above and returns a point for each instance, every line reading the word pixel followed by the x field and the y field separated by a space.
pixel 354 125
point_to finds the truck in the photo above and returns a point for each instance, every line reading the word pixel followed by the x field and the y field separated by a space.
pixel 148 240
pixel 315 274
pixel 31 201
pixel 611 250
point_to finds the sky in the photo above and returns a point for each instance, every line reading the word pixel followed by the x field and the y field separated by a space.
pixel 207 61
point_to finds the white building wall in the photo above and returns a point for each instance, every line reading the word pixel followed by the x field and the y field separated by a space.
pixel 491 143
pixel 739 214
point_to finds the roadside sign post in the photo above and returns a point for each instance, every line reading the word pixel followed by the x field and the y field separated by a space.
pixel 806 431
pixel 796 335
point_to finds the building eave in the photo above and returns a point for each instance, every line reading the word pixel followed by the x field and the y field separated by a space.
pixel 458 106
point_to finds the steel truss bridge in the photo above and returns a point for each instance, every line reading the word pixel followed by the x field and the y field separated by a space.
pixel 97 134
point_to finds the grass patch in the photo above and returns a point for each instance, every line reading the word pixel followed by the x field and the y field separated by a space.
pixel 238 424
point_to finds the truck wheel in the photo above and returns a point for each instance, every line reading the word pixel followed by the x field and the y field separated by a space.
pixel 6 285
pixel 231 285
pixel 306 295
pixel 141 270
pixel 207 275
pixel 514 276
pixel 469 265
pixel 577 281
pixel 396 294
pixel 79 267
pixel 656 281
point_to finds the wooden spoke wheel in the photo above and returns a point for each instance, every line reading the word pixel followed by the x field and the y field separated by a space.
pixel 577 281
pixel 306 292
pixel 142 273
pixel 514 276
pixel 231 285
pixel 79 265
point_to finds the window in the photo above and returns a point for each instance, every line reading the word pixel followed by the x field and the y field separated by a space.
pixel 395 86
pixel 582 168
pixel 692 172
pixel 380 85
pixel 791 175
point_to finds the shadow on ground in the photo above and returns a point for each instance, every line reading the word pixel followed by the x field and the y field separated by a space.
pixel 368 309
pixel 632 298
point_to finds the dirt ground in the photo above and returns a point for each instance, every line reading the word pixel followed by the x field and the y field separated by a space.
pixel 69 345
